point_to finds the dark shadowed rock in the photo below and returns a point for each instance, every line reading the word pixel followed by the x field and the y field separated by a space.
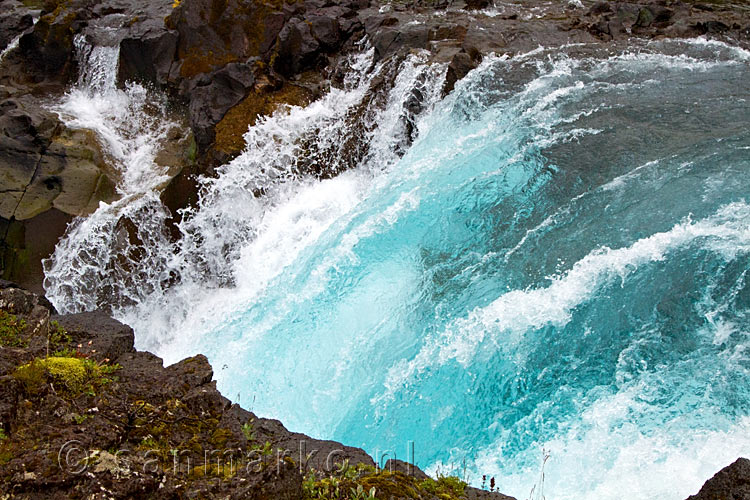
pixel 730 483
pixel 477 4
pixel 297 48
pixel 14 20
pixel 395 465
pixel 217 93
pixel 109 338
pixel 49 47
pixel 148 58
pixel 458 68
pixel 325 29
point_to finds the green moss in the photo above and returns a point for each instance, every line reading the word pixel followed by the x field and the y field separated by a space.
pixel 11 329
pixel 445 487
pixel 363 482
pixel 222 470
pixel 58 337
pixel 71 375
pixel 391 484
pixel 220 437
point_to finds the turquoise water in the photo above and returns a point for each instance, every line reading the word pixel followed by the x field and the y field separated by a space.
pixel 558 262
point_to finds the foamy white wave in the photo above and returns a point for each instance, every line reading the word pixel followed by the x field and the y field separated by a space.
pixel 516 312
pixel 722 49
pixel 669 463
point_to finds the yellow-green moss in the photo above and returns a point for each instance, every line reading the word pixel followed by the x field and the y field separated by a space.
pixel 390 485
pixel 222 470
pixel 198 60
pixel 220 437
pixel 231 129
pixel 71 375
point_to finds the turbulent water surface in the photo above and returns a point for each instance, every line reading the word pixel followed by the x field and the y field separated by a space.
pixel 558 261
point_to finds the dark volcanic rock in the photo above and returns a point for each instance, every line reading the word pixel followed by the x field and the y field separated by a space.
pixel 730 483
pixel 458 68
pixel 148 58
pixel 109 338
pixel 14 20
pixel 297 48
pixel 215 95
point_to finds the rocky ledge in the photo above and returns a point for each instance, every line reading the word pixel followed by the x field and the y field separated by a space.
pixel 85 415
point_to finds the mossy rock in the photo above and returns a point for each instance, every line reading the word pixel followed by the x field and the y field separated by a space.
pixel 231 129
pixel 72 375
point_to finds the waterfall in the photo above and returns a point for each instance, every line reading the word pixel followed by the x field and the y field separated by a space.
pixel 117 253
pixel 554 256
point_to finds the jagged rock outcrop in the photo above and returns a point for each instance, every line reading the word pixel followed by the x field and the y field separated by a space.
pixel 730 483
pixel 83 413
pixel 48 170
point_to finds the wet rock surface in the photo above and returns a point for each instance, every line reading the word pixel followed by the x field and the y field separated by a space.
pixel 99 418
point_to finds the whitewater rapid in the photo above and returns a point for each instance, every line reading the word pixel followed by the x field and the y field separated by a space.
pixel 557 261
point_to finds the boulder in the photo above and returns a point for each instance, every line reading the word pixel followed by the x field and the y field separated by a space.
pixel 296 48
pixel 325 29
pixel 148 57
pixel 109 339
pixel 215 95
pixel 49 46
pixel 477 4
pixel 459 67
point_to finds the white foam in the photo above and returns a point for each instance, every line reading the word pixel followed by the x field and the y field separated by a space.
pixel 95 257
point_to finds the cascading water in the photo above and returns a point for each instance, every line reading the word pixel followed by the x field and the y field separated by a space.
pixel 558 261
pixel 98 262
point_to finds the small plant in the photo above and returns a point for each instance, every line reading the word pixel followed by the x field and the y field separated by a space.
pixel 11 329
pixel 346 471
pixel 3 435
pixel 58 335
pixel 360 494
pixel 537 491
pixel 265 450
pixel 248 430
pixel 79 419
